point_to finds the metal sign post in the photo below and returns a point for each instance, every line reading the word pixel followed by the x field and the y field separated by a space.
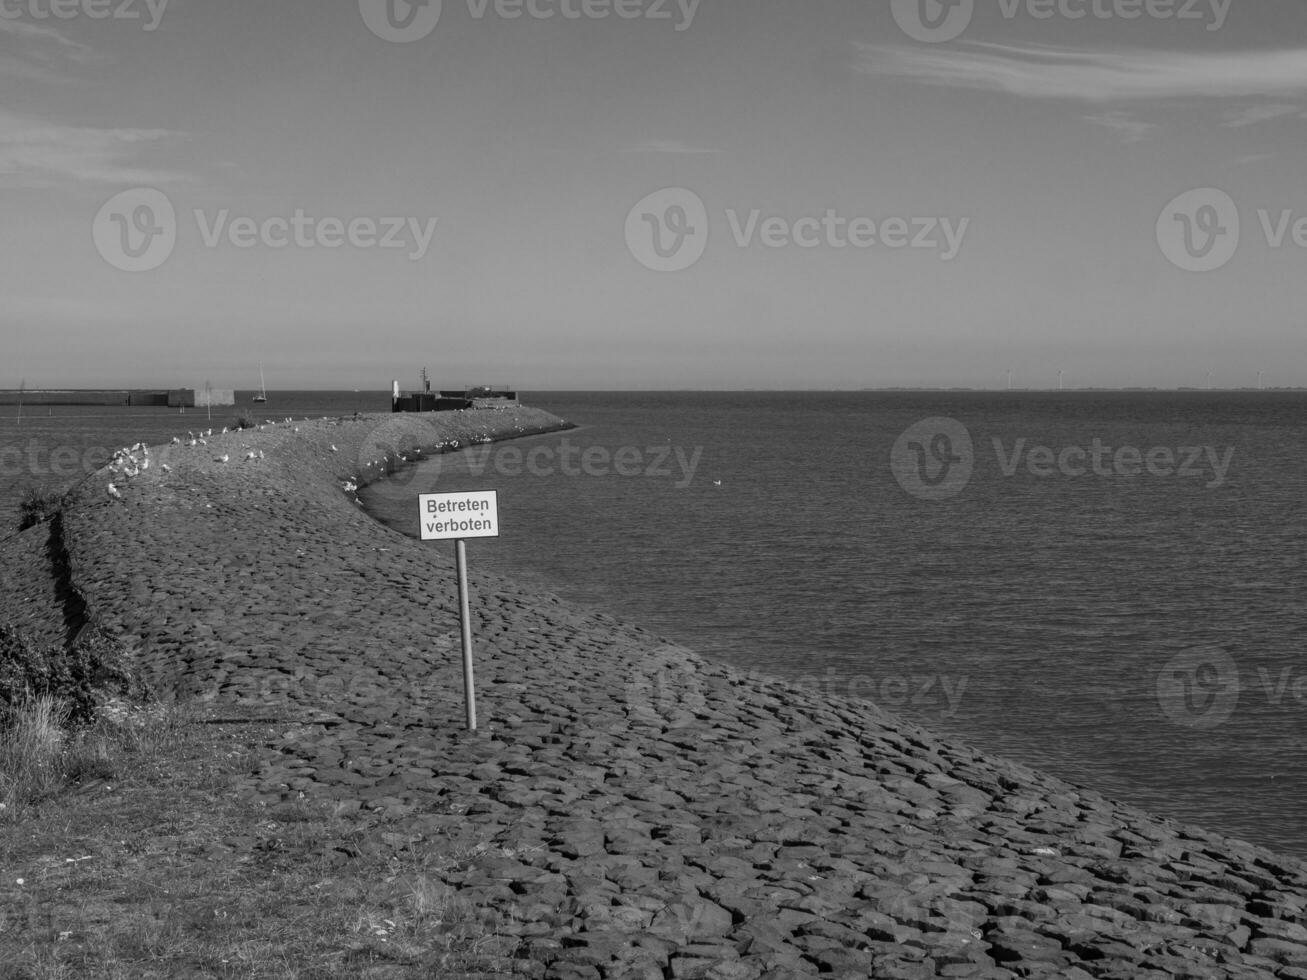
pixel 458 516
pixel 465 617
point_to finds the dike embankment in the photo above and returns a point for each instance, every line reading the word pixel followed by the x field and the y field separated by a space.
pixel 631 810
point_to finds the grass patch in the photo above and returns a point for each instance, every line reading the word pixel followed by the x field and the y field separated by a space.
pixel 31 754
pixel 80 677
pixel 166 869
pixel 42 754
pixel 37 505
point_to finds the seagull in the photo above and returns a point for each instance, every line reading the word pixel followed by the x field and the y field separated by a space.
pixel 334 449
pixel 221 459
pixel 167 468
pixel 113 492
pixel 176 441
pixel 251 455
pixel 717 483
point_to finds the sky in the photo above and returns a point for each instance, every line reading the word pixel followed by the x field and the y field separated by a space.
pixel 679 194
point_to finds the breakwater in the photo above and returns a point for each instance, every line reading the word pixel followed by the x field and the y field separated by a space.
pixel 146 397
pixel 633 809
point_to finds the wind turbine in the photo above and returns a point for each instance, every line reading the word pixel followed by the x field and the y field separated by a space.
pixel 1060 385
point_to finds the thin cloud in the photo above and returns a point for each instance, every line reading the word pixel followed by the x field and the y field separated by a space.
pixel 1254 114
pixel 1038 72
pixel 18 68
pixel 36 153
pixel 1131 130
pixel 38 52
pixel 668 146
pixel 36 32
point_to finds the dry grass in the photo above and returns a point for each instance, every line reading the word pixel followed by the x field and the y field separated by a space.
pixel 31 754
pixel 37 505
pixel 133 858
pixel 40 754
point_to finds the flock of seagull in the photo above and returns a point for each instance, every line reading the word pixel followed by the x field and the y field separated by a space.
pixel 452 445
pixel 134 460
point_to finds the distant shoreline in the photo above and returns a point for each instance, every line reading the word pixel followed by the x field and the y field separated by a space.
pixel 85 396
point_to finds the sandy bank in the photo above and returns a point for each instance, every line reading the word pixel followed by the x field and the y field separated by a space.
pixel 639 812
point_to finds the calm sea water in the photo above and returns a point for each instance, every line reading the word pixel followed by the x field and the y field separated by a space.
pixel 1139 629
pixel 1140 632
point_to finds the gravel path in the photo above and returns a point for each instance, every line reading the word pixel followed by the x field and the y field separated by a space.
pixel 636 811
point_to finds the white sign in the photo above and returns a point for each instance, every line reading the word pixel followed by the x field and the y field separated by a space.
pixel 450 516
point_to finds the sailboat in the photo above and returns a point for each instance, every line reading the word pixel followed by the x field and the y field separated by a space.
pixel 262 396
